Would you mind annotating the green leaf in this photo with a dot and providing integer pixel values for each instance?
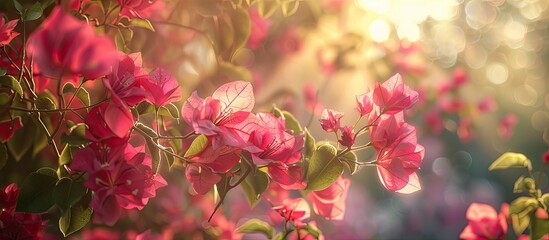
(67, 154)
(545, 199)
(156, 155)
(34, 12)
(3, 71)
(142, 23)
(82, 93)
(77, 136)
(256, 226)
(266, 8)
(197, 146)
(289, 7)
(242, 27)
(3, 155)
(10, 82)
(324, 168)
(169, 110)
(309, 144)
(149, 131)
(291, 122)
(313, 230)
(67, 193)
(36, 194)
(540, 228)
(519, 211)
(254, 185)
(75, 219)
(511, 160)
(4, 98)
(524, 184)
(348, 159)
(169, 157)
(45, 103)
(19, 7)
(19, 144)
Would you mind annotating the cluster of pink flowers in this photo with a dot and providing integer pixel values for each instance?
(399, 155)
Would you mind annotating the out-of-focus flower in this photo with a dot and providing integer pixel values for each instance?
(464, 130)
(259, 29)
(507, 125)
(8, 127)
(311, 100)
(289, 42)
(487, 104)
(330, 120)
(545, 157)
(6, 30)
(330, 202)
(63, 46)
(162, 87)
(485, 222)
(433, 121)
(138, 8)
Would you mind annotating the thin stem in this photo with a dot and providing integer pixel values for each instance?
(52, 110)
(160, 147)
(361, 147)
(188, 135)
(48, 135)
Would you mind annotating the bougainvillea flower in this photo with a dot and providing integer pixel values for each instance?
(487, 104)
(202, 179)
(330, 120)
(259, 29)
(125, 79)
(485, 222)
(137, 8)
(507, 125)
(393, 96)
(294, 210)
(433, 121)
(289, 41)
(365, 103)
(464, 130)
(6, 30)
(311, 99)
(120, 176)
(330, 202)
(109, 120)
(545, 157)
(222, 115)
(162, 87)
(398, 154)
(8, 127)
(17, 225)
(63, 46)
(347, 138)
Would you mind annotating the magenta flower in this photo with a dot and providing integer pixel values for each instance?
(365, 103)
(347, 138)
(202, 179)
(393, 96)
(330, 202)
(63, 45)
(259, 29)
(485, 222)
(109, 120)
(398, 154)
(125, 80)
(465, 129)
(121, 177)
(433, 121)
(278, 149)
(294, 210)
(137, 8)
(507, 125)
(18, 225)
(330, 120)
(162, 86)
(224, 115)
(6, 30)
